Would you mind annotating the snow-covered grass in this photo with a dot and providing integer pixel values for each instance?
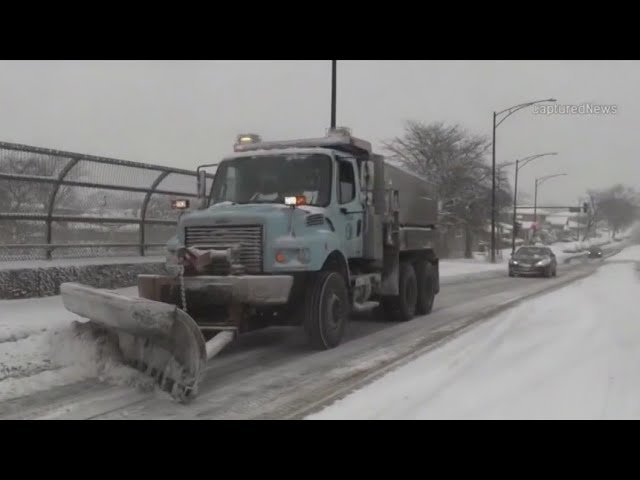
(570, 354)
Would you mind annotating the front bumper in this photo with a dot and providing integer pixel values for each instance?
(256, 290)
(528, 270)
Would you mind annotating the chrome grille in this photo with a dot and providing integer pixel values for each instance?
(248, 237)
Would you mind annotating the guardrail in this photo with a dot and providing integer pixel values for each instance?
(57, 204)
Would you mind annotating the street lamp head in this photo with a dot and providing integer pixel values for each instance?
(540, 180)
(552, 100)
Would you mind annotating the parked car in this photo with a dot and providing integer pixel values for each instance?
(531, 260)
(595, 252)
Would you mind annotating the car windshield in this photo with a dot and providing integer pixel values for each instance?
(271, 178)
(532, 252)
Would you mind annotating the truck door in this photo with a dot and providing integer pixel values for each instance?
(349, 216)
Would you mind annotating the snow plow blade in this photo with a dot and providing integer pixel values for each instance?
(156, 338)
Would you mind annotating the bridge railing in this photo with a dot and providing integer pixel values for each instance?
(56, 204)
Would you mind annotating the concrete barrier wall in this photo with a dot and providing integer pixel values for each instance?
(43, 282)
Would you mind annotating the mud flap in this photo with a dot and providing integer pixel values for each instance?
(157, 338)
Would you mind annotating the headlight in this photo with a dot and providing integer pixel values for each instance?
(514, 262)
(285, 255)
(544, 262)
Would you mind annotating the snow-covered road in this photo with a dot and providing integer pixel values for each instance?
(571, 354)
(48, 372)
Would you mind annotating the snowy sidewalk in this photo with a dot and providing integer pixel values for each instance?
(571, 354)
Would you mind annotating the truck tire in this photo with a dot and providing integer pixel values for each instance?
(402, 307)
(426, 290)
(326, 310)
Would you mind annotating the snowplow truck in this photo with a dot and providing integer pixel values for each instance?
(303, 232)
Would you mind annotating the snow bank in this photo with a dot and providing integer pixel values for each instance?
(460, 267)
(631, 253)
(60, 357)
(40, 349)
(571, 354)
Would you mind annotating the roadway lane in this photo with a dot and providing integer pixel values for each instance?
(272, 374)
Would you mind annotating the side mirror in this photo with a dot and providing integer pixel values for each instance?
(202, 184)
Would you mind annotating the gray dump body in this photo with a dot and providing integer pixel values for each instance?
(418, 196)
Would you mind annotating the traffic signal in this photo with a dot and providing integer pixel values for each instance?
(585, 207)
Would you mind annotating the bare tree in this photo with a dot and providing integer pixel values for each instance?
(619, 206)
(31, 196)
(454, 160)
(594, 216)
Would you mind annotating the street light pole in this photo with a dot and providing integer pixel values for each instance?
(535, 206)
(515, 201)
(333, 93)
(509, 111)
(540, 181)
(578, 217)
(519, 164)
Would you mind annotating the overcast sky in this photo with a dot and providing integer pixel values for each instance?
(184, 113)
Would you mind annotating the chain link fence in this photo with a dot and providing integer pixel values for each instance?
(56, 204)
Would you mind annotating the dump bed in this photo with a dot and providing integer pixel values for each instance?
(418, 196)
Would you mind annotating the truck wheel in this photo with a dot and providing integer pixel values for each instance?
(426, 292)
(326, 310)
(402, 307)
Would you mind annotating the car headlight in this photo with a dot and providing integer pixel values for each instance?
(543, 263)
(514, 262)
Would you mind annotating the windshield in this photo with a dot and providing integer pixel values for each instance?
(532, 252)
(271, 178)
